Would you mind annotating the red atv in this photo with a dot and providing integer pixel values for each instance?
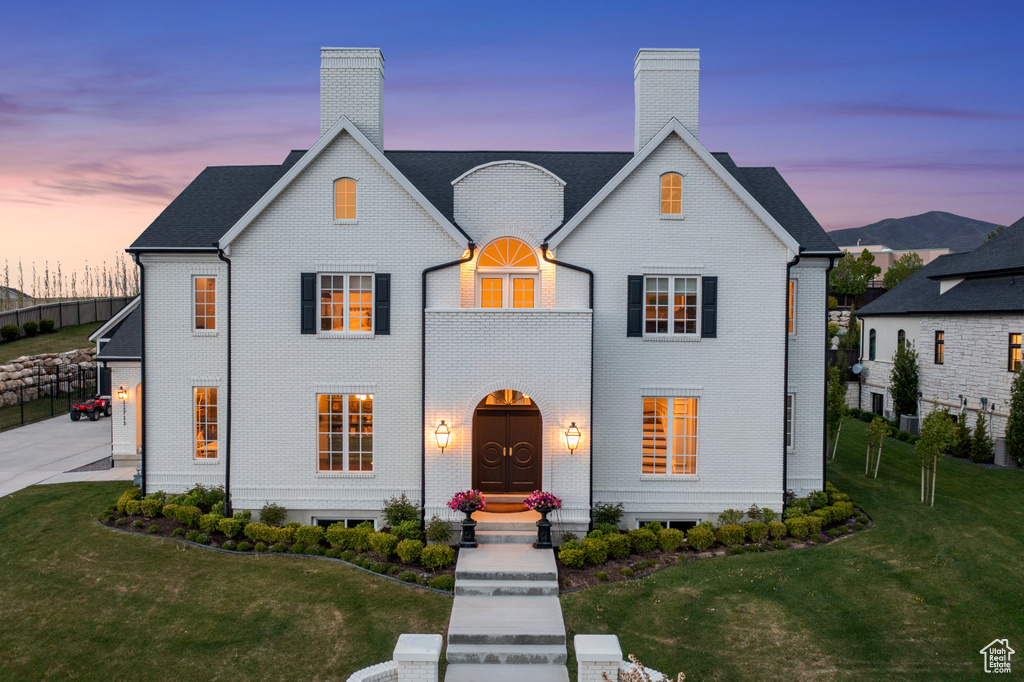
(94, 407)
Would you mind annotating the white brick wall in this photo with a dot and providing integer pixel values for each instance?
(665, 86)
(352, 84)
(123, 421)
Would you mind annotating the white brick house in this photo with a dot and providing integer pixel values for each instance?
(308, 327)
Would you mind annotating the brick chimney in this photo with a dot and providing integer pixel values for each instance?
(665, 86)
(352, 84)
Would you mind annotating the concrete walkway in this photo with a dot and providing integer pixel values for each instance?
(42, 452)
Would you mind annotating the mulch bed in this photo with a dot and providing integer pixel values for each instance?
(98, 465)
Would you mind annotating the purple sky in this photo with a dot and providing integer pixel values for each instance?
(870, 110)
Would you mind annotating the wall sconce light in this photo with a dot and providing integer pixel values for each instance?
(572, 437)
(442, 434)
(360, 397)
(122, 393)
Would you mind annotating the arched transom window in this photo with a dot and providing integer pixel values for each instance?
(507, 275)
(345, 199)
(671, 194)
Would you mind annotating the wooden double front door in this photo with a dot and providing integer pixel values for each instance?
(507, 449)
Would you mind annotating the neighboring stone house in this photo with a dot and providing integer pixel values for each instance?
(608, 326)
(964, 313)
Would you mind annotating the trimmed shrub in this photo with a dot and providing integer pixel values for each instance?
(618, 545)
(731, 534)
(778, 544)
(814, 522)
(399, 509)
(261, 532)
(730, 517)
(597, 533)
(756, 531)
(46, 326)
(231, 527)
(841, 511)
(797, 527)
(644, 565)
(642, 540)
(10, 332)
(443, 582)
(315, 550)
(333, 552)
(671, 539)
(601, 575)
(832, 303)
(604, 513)
(832, 533)
(152, 507)
(628, 572)
(297, 548)
(339, 536)
(842, 530)
(383, 544)
(309, 535)
(154, 529)
(133, 507)
(243, 546)
(137, 523)
(178, 532)
(738, 549)
(777, 530)
(595, 550)
(379, 568)
(407, 530)
(573, 558)
(126, 497)
(286, 533)
(408, 576)
(607, 529)
(229, 545)
(700, 536)
(261, 547)
(437, 557)
(192, 536)
(210, 523)
(362, 537)
(277, 548)
(654, 526)
(858, 526)
(409, 550)
(273, 514)
(31, 328)
(121, 521)
(438, 531)
(187, 515)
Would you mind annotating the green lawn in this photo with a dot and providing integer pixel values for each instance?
(79, 601)
(915, 597)
(68, 338)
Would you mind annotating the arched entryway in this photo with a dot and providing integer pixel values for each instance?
(507, 444)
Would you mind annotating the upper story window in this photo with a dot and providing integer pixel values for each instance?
(205, 297)
(507, 275)
(791, 308)
(940, 347)
(671, 194)
(871, 345)
(345, 199)
(670, 305)
(346, 303)
(669, 436)
(1013, 360)
(901, 338)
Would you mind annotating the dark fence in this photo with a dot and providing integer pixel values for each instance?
(852, 358)
(67, 313)
(49, 395)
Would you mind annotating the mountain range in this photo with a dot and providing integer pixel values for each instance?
(932, 230)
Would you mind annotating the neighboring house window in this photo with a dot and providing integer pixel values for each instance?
(345, 432)
(789, 420)
(940, 347)
(345, 199)
(205, 296)
(670, 305)
(1013, 361)
(877, 403)
(670, 436)
(205, 409)
(507, 275)
(901, 338)
(791, 307)
(671, 194)
(871, 345)
(346, 303)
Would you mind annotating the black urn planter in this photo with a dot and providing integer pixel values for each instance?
(543, 529)
(468, 540)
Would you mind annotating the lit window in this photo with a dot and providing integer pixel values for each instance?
(205, 296)
(671, 193)
(791, 307)
(670, 436)
(1013, 363)
(345, 199)
(789, 420)
(345, 432)
(507, 275)
(940, 347)
(205, 402)
(346, 303)
(670, 305)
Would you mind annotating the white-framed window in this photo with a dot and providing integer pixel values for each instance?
(789, 420)
(671, 194)
(204, 299)
(508, 275)
(346, 302)
(671, 305)
(669, 436)
(344, 432)
(791, 307)
(204, 399)
(345, 199)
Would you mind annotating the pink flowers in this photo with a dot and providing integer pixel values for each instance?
(541, 500)
(468, 501)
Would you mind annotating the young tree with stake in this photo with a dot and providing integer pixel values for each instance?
(876, 435)
(937, 434)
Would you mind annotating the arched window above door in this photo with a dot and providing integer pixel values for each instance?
(507, 275)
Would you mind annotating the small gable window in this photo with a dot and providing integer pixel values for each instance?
(507, 274)
(345, 199)
(671, 194)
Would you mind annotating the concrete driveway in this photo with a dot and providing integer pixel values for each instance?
(42, 452)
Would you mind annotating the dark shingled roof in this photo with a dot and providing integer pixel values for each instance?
(919, 294)
(1002, 253)
(220, 195)
(126, 342)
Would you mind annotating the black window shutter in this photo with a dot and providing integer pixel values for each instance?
(309, 303)
(709, 309)
(635, 306)
(382, 304)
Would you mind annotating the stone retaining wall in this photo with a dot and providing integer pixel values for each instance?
(26, 378)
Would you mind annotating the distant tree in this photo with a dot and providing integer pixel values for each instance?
(961, 446)
(936, 437)
(851, 339)
(1015, 424)
(851, 275)
(981, 443)
(904, 379)
(905, 266)
(835, 401)
(995, 232)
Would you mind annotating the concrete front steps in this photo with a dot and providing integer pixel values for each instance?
(506, 619)
(519, 528)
